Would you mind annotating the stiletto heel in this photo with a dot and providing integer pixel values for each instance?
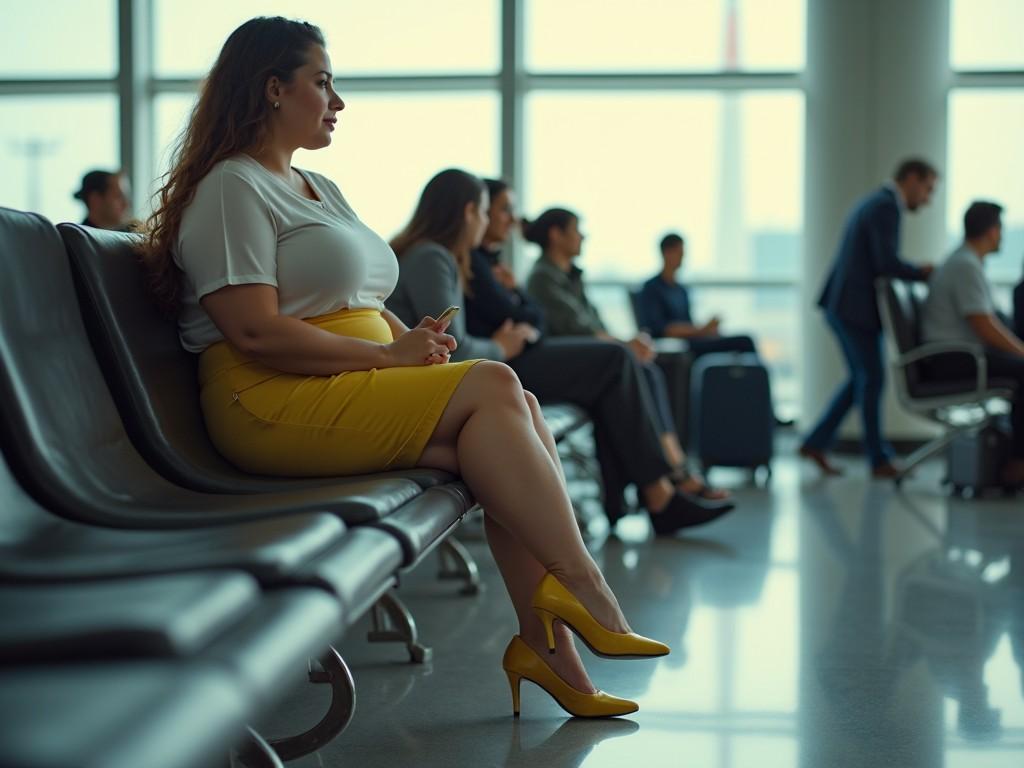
(522, 662)
(548, 620)
(513, 683)
(553, 601)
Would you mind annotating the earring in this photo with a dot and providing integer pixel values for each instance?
(277, 105)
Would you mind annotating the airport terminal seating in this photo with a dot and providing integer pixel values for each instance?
(957, 406)
(112, 497)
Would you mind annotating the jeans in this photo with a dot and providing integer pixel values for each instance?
(862, 350)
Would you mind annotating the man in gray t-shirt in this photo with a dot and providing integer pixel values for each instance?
(957, 291)
(960, 308)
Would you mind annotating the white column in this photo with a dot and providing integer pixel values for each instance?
(877, 78)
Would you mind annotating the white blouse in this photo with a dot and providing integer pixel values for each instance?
(246, 225)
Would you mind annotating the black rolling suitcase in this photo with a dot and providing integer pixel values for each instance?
(732, 422)
(977, 458)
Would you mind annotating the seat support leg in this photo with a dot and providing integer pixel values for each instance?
(254, 752)
(393, 623)
(458, 563)
(334, 672)
(932, 447)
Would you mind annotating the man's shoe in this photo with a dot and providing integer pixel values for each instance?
(886, 471)
(818, 457)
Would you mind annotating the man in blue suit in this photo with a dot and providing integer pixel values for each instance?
(869, 249)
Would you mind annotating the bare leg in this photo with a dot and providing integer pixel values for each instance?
(521, 573)
(543, 432)
(487, 434)
(673, 451)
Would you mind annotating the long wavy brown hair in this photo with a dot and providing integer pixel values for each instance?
(440, 217)
(230, 116)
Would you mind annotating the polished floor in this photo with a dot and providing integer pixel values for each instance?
(836, 624)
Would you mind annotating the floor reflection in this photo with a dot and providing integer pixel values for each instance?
(567, 745)
(839, 624)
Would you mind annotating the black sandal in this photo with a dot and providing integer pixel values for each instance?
(682, 474)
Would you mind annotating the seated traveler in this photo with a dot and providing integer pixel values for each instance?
(960, 308)
(280, 288)
(494, 297)
(438, 267)
(107, 199)
(664, 310)
(556, 283)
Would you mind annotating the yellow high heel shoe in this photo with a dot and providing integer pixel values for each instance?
(522, 662)
(553, 601)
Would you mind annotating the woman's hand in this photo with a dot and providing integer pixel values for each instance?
(504, 276)
(423, 345)
(643, 347)
(512, 337)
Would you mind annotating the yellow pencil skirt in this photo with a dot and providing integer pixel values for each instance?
(268, 422)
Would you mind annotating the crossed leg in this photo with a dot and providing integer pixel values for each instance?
(493, 435)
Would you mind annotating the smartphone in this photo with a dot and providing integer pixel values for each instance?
(447, 315)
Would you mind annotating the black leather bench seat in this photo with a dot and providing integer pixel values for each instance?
(118, 715)
(175, 615)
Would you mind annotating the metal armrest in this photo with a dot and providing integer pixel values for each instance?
(937, 348)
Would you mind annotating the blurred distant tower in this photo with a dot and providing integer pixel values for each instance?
(33, 150)
(729, 228)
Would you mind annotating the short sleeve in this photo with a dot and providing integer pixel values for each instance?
(228, 235)
(971, 295)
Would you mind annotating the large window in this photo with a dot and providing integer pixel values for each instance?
(986, 162)
(58, 102)
(59, 38)
(726, 170)
(987, 35)
(986, 113)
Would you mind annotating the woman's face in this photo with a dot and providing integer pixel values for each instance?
(570, 239)
(309, 103)
(477, 220)
(503, 217)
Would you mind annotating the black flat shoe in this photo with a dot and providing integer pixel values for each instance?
(683, 511)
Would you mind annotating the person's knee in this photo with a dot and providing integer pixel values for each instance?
(532, 402)
(499, 383)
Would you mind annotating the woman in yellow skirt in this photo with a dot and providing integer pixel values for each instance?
(280, 288)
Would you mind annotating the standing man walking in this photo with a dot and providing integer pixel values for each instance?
(868, 249)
